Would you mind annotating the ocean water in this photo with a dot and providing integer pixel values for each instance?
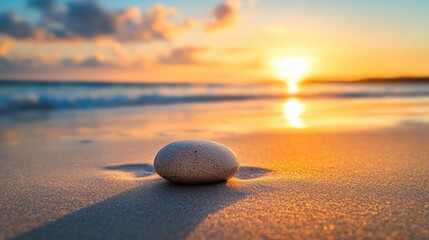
(32, 95)
(47, 113)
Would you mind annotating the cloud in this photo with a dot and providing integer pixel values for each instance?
(154, 25)
(95, 61)
(39, 62)
(183, 56)
(177, 56)
(8, 65)
(6, 45)
(113, 47)
(130, 15)
(12, 25)
(69, 20)
(90, 20)
(225, 15)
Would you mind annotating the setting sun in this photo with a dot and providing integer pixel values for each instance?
(292, 70)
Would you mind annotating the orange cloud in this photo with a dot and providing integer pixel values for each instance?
(6, 45)
(155, 24)
(225, 15)
(130, 15)
(70, 22)
(88, 20)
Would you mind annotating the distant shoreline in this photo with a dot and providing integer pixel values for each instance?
(397, 80)
(400, 80)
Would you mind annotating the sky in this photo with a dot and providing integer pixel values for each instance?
(212, 40)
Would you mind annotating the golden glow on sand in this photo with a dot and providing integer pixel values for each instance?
(292, 70)
(292, 112)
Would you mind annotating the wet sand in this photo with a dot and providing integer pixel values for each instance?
(293, 185)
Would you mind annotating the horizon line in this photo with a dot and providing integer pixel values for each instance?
(400, 79)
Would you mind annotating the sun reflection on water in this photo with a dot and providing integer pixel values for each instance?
(293, 110)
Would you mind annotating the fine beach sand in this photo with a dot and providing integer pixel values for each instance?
(309, 184)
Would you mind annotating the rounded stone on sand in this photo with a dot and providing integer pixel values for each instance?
(196, 162)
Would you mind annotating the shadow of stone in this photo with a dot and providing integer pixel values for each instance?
(157, 210)
(139, 170)
(246, 173)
